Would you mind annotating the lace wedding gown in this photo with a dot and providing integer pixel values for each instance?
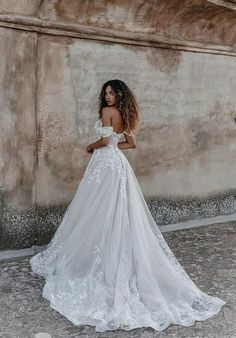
(108, 264)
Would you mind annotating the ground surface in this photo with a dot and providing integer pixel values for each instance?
(208, 254)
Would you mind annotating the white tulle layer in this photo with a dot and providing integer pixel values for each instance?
(108, 264)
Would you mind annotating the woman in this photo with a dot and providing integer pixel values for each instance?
(108, 264)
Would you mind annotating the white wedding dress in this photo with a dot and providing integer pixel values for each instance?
(108, 264)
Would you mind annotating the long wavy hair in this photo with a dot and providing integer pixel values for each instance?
(125, 103)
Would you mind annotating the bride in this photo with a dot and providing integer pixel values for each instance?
(108, 264)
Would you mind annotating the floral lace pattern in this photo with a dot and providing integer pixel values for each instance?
(108, 264)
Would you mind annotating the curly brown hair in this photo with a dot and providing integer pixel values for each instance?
(125, 103)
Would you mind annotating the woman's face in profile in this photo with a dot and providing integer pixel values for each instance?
(110, 96)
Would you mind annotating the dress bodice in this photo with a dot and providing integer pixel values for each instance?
(107, 131)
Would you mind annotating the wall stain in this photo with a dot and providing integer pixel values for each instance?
(190, 20)
(164, 60)
(174, 145)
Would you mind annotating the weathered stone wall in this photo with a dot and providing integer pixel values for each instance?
(186, 142)
(17, 116)
(51, 76)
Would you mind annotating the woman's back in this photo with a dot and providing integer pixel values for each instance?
(116, 120)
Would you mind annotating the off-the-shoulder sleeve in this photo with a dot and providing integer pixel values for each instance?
(102, 131)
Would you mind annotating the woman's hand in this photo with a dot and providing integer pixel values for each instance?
(90, 149)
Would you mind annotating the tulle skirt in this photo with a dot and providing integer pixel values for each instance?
(108, 264)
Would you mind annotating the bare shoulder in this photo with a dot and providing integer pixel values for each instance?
(108, 113)
(108, 110)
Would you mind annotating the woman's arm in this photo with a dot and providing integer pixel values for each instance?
(102, 142)
(130, 142)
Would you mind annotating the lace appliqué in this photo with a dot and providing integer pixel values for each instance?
(107, 156)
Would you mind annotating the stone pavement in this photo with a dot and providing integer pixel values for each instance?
(208, 254)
